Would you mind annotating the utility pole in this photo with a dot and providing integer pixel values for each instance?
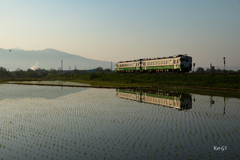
(210, 68)
(111, 65)
(224, 62)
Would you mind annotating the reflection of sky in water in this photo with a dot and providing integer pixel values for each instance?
(9, 91)
(95, 123)
(50, 82)
(216, 105)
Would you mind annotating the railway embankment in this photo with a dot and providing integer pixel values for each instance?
(191, 80)
(225, 82)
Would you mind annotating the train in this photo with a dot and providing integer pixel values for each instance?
(179, 101)
(177, 63)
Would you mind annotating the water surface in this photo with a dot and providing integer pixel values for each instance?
(41, 122)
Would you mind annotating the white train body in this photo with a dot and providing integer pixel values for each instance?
(179, 63)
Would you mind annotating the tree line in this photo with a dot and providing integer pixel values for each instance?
(41, 73)
(208, 70)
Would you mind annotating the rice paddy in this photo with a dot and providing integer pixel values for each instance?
(42, 122)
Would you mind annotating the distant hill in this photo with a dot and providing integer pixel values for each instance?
(47, 59)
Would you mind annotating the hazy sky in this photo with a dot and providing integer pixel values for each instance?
(115, 30)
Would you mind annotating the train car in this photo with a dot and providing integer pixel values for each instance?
(179, 63)
(127, 66)
(129, 94)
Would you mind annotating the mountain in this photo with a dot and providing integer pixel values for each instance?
(47, 59)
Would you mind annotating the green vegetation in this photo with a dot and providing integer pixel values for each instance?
(216, 81)
(213, 70)
(107, 78)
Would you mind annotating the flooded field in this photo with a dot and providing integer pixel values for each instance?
(42, 122)
(49, 83)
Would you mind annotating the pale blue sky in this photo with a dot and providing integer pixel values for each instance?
(115, 30)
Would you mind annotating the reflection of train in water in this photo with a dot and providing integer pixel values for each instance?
(180, 101)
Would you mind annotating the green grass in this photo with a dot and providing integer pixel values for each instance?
(219, 81)
(194, 83)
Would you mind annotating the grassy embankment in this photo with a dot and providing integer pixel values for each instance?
(217, 84)
(217, 81)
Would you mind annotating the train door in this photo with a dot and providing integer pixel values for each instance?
(137, 66)
(175, 64)
(144, 66)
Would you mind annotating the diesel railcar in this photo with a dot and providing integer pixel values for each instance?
(178, 63)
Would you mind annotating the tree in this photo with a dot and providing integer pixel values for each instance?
(207, 70)
(4, 73)
(98, 70)
(32, 74)
(53, 71)
(19, 73)
(108, 70)
(200, 70)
